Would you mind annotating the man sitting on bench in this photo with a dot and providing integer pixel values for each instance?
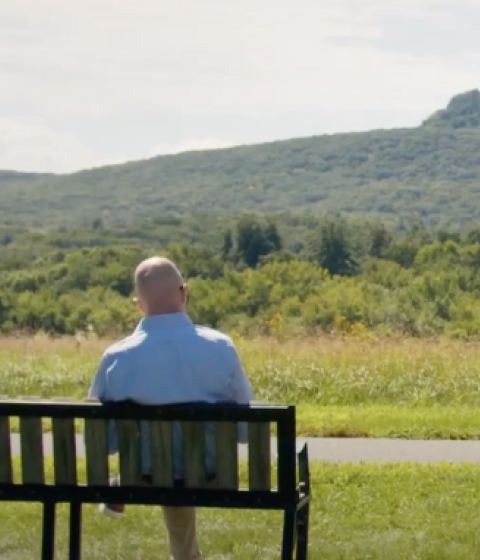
(170, 360)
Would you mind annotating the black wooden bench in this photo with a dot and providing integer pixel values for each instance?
(290, 493)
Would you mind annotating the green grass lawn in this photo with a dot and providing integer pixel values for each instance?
(414, 512)
(376, 388)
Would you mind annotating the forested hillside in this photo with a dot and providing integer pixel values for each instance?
(19, 246)
(17, 178)
(431, 171)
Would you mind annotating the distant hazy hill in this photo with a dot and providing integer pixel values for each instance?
(15, 177)
(432, 171)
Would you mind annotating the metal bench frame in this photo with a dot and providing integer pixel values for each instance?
(290, 497)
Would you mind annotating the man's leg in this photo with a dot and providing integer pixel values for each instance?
(182, 533)
(116, 511)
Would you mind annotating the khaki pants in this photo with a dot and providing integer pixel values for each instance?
(181, 523)
(182, 530)
(182, 533)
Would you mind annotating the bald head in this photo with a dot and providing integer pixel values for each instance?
(160, 287)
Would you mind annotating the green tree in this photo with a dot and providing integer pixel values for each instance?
(335, 251)
(444, 235)
(272, 235)
(253, 242)
(97, 224)
(5, 307)
(227, 244)
(379, 241)
(473, 236)
(403, 253)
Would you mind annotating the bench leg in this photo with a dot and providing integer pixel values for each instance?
(48, 537)
(303, 513)
(288, 535)
(75, 531)
(302, 532)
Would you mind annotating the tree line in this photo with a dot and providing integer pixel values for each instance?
(343, 276)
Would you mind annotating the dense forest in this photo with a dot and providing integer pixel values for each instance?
(255, 274)
(431, 171)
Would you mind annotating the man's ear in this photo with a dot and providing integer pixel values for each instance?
(185, 293)
(138, 303)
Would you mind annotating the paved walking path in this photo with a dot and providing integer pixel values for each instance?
(342, 450)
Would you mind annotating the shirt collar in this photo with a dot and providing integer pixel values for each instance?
(167, 321)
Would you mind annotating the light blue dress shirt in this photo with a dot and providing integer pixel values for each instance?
(166, 360)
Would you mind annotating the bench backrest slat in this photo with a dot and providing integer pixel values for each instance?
(5, 451)
(96, 451)
(194, 454)
(161, 453)
(129, 450)
(259, 456)
(226, 455)
(64, 452)
(31, 440)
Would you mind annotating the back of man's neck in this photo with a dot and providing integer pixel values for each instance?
(162, 313)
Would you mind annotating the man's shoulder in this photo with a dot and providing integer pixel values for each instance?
(124, 346)
(213, 335)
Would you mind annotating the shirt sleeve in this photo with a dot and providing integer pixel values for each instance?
(98, 390)
(240, 386)
(241, 392)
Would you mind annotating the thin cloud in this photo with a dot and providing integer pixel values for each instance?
(30, 146)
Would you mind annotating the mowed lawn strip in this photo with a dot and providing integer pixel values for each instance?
(434, 422)
(400, 512)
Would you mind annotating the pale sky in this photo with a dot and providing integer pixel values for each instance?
(90, 82)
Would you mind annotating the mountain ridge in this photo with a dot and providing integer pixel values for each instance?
(432, 170)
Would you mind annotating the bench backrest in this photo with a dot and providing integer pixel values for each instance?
(128, 418)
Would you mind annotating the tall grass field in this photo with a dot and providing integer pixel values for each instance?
(373, 387)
